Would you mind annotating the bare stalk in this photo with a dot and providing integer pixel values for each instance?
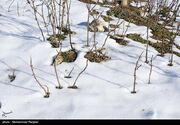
(63, 13)
(59, 17)
(53, 17)
(44, 20)
(44, 87)
(147, 45)
(135, 72)
(10, 5)
(124, 33)
(95, 30)
(88, 19)
(33, 6)
(150, 7)
(172, 43)
(74, 84)
(18, 13)
(57, 77)
(69, 75)
(88, 28)
(109, 32)
(150, 72)
(68, 22)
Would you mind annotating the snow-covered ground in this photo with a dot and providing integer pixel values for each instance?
(104, 89)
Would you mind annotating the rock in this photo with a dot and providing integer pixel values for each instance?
(58, 59)
(68, 56)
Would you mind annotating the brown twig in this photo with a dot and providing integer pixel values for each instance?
(57, 77)
(44, 87)
(68, 6)
(74, 84)
(69, 75)
(33, 6)
(88, 18)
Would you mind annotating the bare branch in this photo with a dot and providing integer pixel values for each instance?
(44, 87)
(74, 84)
(150, 72)
(135, 71)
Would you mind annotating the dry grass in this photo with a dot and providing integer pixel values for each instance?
(96, 56)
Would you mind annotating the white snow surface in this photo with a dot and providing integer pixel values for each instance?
(104, 89)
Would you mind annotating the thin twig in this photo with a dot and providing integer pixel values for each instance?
(44, 87)
(10, 5)
(74, 84)
(57, 77)
(69, 75)
(150, 72)
(135, 70)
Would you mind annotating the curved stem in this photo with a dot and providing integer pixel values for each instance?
(81, 73)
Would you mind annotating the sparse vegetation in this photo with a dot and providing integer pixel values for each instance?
(91, 58)
(158, 45)
(106, 18)
(136, 37)
(143, 16)
(132, 14)
(66, 31)
(119, 39)
(96, 56)
(53, 18)
(69, 56)
(54, 40)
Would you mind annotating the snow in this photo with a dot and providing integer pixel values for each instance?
(104, 89)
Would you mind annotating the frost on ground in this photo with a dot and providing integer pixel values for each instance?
(104, 89)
